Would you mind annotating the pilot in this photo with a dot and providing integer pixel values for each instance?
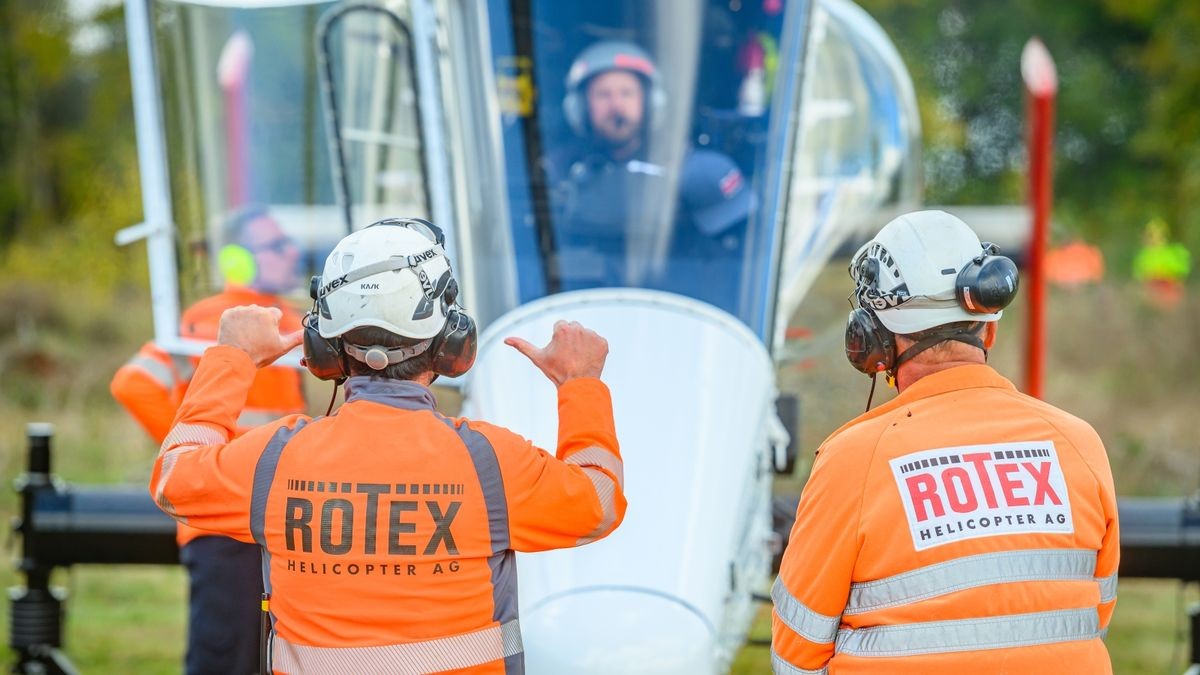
(605, 188)
(961, 526)
(259, 262)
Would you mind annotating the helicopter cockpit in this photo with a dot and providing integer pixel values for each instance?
(759, 135)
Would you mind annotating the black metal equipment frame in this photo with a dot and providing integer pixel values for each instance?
(62, 525)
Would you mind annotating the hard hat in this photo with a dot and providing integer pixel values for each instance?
(909, 273)
(603, 57)
(395, 278)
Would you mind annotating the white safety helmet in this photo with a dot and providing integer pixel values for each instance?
(392, 275)
(907, 273)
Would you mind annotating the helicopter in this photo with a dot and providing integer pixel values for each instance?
(335, 114)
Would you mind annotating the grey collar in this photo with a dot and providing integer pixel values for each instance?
(403, 394)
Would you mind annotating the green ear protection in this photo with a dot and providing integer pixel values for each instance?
(237, 265)
(236, 262)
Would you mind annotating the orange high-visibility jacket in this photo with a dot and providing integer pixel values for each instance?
(151, 385)
(961, 527)
(388, 529)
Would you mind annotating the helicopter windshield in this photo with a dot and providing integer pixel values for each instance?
(245, 137)
(625, 168)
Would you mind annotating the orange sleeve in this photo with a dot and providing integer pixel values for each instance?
(576, 496)
(814, 577)
(146, 386)
(1108, 558)
(201, 477)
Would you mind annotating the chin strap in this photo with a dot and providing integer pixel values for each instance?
(969, 337)
(966, 337)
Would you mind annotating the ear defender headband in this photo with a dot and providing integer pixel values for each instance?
(985, 285)
(454, 347)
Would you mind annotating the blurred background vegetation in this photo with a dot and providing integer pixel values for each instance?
(1128, 150)
(1128, 138)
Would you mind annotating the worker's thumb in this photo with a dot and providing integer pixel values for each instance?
(292, 340)
(525, 347)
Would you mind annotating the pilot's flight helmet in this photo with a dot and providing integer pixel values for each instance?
(605, 56)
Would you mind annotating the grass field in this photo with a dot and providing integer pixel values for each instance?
(1113, 360)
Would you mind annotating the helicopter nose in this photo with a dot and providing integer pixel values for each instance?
(627, 631)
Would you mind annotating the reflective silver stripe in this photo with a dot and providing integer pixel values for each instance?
(1108, 587)
(602, 458)
(257, 418)
(428, 656)
(779, 665)
(264, 477)
(810, 625)
(164, 476)
(963, 635)
(606, 491)
(158, 371)
(182, 439)
(970, 572)
(184, 366)
(193, 434)
(503, 560)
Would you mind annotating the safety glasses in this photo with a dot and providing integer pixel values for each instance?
(427, 229)
(279, 245)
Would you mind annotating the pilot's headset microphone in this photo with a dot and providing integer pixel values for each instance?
(902, 286)
(394, 275)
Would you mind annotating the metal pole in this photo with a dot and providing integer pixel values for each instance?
(152, 167)
(1041, 83)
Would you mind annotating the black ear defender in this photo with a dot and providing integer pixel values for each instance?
(988, 282)
(870, 347)
(323, 356)
(454, 348)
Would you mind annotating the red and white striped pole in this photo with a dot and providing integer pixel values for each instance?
(233, 69)
(1041, 83)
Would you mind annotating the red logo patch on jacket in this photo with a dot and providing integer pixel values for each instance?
(952, 494)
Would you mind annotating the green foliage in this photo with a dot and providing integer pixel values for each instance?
(68, 161)
(1128, 133)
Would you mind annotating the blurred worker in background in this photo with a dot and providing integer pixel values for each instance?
(962, 526)
(225, 575)
(1162, 265)
(388, 529)
(605, 186)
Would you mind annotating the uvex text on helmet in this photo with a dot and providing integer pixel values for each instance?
(407, 296)
(907, 273)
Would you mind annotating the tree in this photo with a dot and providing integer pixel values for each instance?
(1127, 137)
